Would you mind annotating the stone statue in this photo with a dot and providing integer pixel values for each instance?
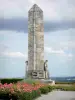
(26, 68)
(46, 69)
(45, 65)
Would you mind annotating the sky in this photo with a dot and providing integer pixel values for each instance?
(59, 36)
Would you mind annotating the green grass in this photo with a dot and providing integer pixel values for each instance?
(29, 81)
(63, 88)
(64, 82)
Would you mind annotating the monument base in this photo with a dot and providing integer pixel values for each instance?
(49, 81)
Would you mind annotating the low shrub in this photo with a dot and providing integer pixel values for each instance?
(19, 91)
(11, 80)
(44, 90)
(4, 96)
(36, 93)
(25, 96)
(50, 88)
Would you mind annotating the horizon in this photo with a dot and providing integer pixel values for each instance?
(49, 77)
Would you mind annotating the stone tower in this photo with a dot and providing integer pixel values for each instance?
(35, 43)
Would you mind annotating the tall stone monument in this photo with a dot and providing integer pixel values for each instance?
(35, 43)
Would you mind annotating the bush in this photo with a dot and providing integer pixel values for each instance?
(4, 96)
(25, 96)
(50, 88)
(44, 90)
(36, 93)
(21, 95)
(12, 80)
(19, 91)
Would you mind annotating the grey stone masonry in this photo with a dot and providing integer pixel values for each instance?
(35, 40)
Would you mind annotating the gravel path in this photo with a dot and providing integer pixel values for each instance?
(58, 95)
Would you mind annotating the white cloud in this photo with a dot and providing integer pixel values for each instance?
(13, 8)
(13, 41)
(68, 44)
(11, 32)
(53, 9)
(3, 47)
(57, 9)
(32, 1)
(64, 39)
(58, 52)
(70, 55)
(14, 54)
(51, 50)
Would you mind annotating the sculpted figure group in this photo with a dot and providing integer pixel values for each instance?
(46, 73)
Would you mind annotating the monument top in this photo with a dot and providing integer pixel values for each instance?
(35, 8)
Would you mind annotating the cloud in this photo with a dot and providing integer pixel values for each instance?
(3, 47)
(68, 45)
(59, 25)
(17, 24)
(62, 39)
(14, 54)
(13, 44)
(32, 1)
(58, 15)
(12, 9)
(55, 10)
(21, 24)
(58, 52)
(11, 33)
(51, 50)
